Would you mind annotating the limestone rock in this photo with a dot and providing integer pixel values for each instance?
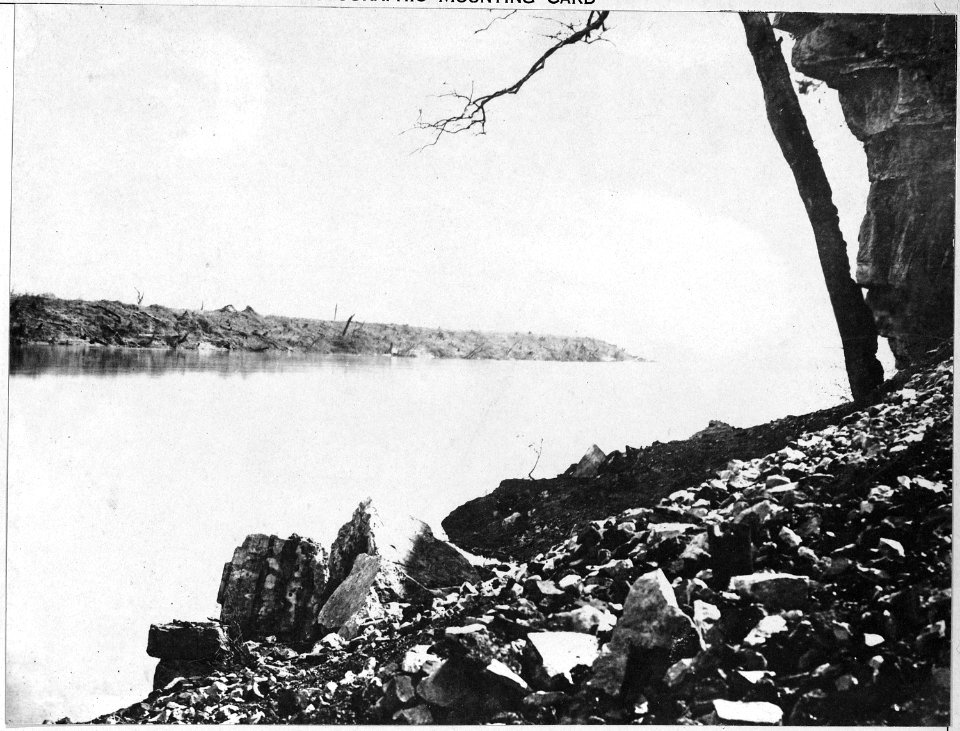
(411, 556)
(586, 619)
(179, 640)
(273, 587)
(556, 654)
(416, 716)
(897, 83)
(589, 464)
(773, 590)
(452, 685)
(739, 712)
(355, 601)
(652, 631)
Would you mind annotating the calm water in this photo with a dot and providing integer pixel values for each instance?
(134, 474)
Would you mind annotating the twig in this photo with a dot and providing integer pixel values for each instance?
(344, 333)
(539, 452)
(499, 17)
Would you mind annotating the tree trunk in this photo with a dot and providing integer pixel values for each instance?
(858, 332)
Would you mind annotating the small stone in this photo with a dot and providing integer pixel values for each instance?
(416, 658)
(558, 653)
(773, 590)
(705, 615)
(892, 548)
(765, 628)
(757, 712)
(872, 640)
(586, 619)
(454, 684)
(677, 672)
(467, 630)
(659, 532)
(401, 687)
(416, 716)
(504, 676)
(789, 538)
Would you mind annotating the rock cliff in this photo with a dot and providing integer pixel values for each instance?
(896, 76)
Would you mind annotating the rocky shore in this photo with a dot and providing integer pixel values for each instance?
(809, 584)
(49, 320)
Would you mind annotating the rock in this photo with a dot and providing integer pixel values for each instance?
(169, 670)
(773, 590)
(501, 674)
(586, 619)
(896, 79)
(556, 654)
(589, 464)
(401, 687)
(659, 532)
(452, 685)
(789, 538)
(355, 601)
(714, 428)
(273, 587)
(892, 548)
(765, 628)
(179, 640)
(412, 558)
(419, 658)
(731, 551)
(739, 712)
(652, 632)
(416, 716)
(705, 616)
(758, 514)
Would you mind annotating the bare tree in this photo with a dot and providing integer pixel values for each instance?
(857, 330)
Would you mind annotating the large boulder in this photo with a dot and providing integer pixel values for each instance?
(274, 587)
(354, 603)
(179, 640)
(652, 633)
(411, 557)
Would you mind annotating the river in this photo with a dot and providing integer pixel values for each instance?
(132, 475)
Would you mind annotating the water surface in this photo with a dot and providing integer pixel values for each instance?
(134, 474)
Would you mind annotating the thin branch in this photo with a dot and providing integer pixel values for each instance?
(499, 17)
(473, 116)
(539, 452)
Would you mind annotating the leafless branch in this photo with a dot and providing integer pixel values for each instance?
(499, 17)
(473, 116)
(539, 451)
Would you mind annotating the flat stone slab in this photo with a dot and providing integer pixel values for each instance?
(186, 640)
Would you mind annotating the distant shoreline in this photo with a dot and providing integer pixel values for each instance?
(47, 320)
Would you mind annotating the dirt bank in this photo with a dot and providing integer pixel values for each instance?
(43, 319)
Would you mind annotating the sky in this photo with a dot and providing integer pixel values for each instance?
(631, 191)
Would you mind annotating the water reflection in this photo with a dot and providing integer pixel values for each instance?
(37, 360)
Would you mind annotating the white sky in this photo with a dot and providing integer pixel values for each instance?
(632, 191)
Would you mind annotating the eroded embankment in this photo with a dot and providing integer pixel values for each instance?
(42, 319)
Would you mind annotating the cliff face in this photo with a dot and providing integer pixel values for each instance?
(897, 81)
